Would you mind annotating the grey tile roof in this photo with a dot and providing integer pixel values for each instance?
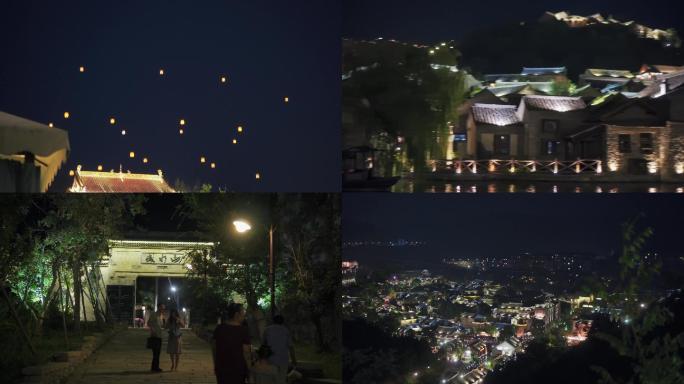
(543, 71)
(555, 103)
(495, 114)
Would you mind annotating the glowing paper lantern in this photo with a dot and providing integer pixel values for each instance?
(240, 129)
(51, 125)
(257, 176)
(161, 72)
(112, 121)
(181, 131)
(131, 155)
(81, 69)
(203, 160)
(213, 165)
(123, 132)
(145, 160)
(287, 99)
(234, 141)
(66, 115)
(223, 79)
(182, 122)
(71, 172)
(99, 168)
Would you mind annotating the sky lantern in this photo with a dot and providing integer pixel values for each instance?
(287, 99)
(161, 72)
(213, 165)
(257, 176)
(81, 69)
(123, 132)
(203, 160)
(182, 122)
(181, 131)
(112, 121)
(131, 155)
(234, 141)
(66, 115)
(71, 172)
(145, 160)
(240, 129)
(99, 167)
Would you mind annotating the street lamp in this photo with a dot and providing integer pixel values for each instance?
(243, 226)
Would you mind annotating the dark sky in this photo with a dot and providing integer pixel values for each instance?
(495, 225)
(437, 20)
(267, 49)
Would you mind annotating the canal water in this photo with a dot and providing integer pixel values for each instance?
(408, 186)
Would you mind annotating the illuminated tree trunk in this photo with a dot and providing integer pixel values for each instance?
(76, 270)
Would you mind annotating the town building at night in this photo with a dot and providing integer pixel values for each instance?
(119, 182)
(31, 154)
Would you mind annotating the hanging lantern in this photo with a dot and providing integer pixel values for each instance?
(181, 131)
(182, 122)
(123, 132)
(161, 72)
(287, 99)
(258, 176)
(81, 69)
(240, 129)
(223, 79)
(71, 172)
(51, 125)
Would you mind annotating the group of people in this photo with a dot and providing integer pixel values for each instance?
(233, 363)
(232, 349)
(173, 323)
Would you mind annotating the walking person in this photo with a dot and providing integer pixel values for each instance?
(263, 372)
(155, 340)
(173, 348)
(277, 336)
(231, 347)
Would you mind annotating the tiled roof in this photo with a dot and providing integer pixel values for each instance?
(119, 182)
(495, 114)
(555, 103)
(598, 72)
(543, 71)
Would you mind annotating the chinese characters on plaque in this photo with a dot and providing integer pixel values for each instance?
(162, 258)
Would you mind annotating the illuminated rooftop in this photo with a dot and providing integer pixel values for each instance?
(119, 182)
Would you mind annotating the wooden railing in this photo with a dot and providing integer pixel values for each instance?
(472, 167)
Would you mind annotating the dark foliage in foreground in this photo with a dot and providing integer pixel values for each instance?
(598, 361)
(371, 355)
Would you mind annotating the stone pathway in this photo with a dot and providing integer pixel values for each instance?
(124, 359)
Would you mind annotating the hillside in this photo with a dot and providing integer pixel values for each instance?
(507, 48)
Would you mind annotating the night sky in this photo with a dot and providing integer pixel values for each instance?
(505, 225)
(437, 20)
(268, 50)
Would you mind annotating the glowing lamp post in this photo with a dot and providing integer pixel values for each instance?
(242, 226)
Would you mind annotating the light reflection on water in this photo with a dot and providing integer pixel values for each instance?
(409, 186)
